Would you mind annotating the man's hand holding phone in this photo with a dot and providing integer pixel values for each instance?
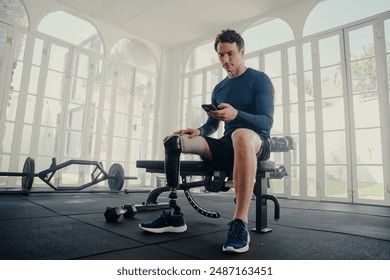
(224, 111)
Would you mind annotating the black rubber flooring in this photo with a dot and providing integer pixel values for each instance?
(64, 226)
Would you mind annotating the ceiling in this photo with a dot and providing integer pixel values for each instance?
(174, 22)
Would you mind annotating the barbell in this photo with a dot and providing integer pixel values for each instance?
(115, 176)
(27, 174)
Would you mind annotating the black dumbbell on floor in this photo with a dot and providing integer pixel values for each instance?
(112, 214)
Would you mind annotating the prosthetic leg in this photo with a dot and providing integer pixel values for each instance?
(173, 150)
(173, 220)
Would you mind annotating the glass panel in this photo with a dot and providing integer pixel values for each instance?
(14, 12)
(75, 117)
(336, 181)
(331, 82)
(47, 141)
(137, 128)
(96, 95)
(311, 181)
(38, 49)
(196, 112)
(332, 13)
(335, 147)
(273, 64)
(119, 149)
(370, 182)
(295, 152)
(293, 88)
(8, 134)
(307, 61)
(71, 29)
(3, 44)
(364, 75)
(30, 109)
(362, 104)
(125, 78)
(294, 119)
(51, 112)
(16, 76)
(361, 43)
(59, 57)
(311, 148)
(202, 56)
(277, 83)
(139, 106)
(105, 122)
(333, 113)
(292, 60)
(20, 46)
(212, 78)
(136, 150)
(120, 125)
(107, 98)
(81, 65)
(73, 144)
(329, 51)
(55, 83)
(368, 146)
(310, 117)
(12, 106)
(271, 32)
(278, 121)
(294, 175)
(308, 80)
(196, 83)
(134, 53)
(78, 91)
(34, 78)
(122, 101)
(253, 63)
(26, 139)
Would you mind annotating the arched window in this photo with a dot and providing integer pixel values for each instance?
(14, 12)
(333, 13)
(202, 56)
(134, 53)
(71, 29)
(267, 33)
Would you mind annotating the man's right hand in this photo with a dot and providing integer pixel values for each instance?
(193, 132)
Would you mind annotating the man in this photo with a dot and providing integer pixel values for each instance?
(244, 100)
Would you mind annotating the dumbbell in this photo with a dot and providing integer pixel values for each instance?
(112, 214)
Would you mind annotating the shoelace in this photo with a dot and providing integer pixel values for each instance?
(236, 230)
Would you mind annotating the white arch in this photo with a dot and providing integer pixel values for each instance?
(333, 13)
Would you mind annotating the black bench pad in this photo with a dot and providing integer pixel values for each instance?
(194, 167)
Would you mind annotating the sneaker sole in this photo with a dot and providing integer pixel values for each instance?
(165, 229)
(236, 250)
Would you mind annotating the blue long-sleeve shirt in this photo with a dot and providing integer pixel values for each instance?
(252, 94)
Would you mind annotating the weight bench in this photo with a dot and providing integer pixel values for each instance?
(214, 181)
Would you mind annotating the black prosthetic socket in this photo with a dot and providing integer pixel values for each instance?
(172, 169)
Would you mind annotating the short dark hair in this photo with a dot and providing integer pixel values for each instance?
(229, 36)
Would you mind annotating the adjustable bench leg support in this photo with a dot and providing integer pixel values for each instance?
(260, 190)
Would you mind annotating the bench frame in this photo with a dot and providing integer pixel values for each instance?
(198, 168)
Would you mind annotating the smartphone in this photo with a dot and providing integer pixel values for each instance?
(209, 107)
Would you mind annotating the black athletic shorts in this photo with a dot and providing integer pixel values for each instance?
(223, 153)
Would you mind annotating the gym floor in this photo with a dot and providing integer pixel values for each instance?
(64, 226)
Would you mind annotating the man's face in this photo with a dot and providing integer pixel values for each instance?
(230, 57)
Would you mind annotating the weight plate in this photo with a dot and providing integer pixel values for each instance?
(116, 177)
(28, 178)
